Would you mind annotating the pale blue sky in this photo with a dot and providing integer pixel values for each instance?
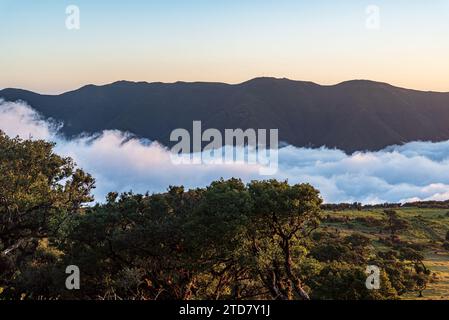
(325, 41)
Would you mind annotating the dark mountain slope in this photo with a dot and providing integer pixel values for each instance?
(353, 115)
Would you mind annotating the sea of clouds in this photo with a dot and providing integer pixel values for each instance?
(120, 162)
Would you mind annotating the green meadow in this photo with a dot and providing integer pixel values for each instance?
(428, 228)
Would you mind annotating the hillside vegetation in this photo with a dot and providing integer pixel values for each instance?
(428, 229)
(230, 240)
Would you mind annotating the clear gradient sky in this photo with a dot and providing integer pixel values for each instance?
(325, 41)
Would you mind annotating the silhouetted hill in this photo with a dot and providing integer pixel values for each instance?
(353, 115)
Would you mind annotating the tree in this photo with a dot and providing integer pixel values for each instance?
(283, 216)
(136, 247)
(342, 275)
(339, 280)
(421, 276)
(217, 233)
(394, 223)
(39, 192)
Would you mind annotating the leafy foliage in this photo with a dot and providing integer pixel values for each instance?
(39, 192)
(229, 240)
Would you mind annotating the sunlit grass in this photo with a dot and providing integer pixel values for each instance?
(428, 227)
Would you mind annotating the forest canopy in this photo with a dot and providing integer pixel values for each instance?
(229, 240)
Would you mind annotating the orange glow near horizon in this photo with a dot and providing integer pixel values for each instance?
(229, 41)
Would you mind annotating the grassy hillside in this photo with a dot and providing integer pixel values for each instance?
(427, 231)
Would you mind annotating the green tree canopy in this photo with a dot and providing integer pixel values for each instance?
(39, 191)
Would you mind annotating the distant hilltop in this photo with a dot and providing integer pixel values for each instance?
(353, 115)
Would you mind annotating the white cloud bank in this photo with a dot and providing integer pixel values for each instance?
(119, 162)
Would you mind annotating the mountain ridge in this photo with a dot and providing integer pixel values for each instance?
(353, 115)
(229, 84)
